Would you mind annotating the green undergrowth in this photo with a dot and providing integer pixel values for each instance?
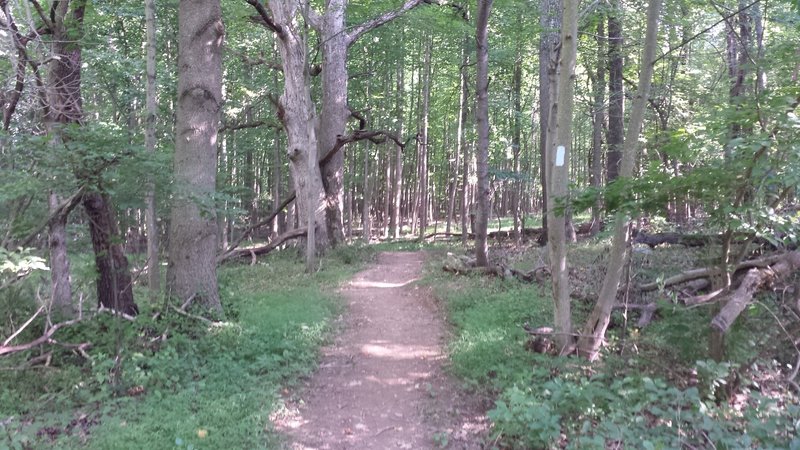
(653, 387)
(200, 387)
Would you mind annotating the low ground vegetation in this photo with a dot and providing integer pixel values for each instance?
(655, 386)
(175, 381)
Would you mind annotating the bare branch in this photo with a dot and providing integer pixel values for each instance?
(65, 208)
(43, 339)
(359, 30)
(265, 18)
(245, 125)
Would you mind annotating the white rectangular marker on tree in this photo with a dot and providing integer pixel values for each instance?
(560, 152)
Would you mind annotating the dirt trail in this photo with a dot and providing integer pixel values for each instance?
(381, 385)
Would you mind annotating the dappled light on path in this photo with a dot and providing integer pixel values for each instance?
(381, 384)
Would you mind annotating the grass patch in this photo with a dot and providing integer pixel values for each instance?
(200, 388)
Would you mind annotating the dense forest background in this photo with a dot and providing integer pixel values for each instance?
(584, 159)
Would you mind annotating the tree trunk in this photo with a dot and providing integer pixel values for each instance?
(300, 121)
(65, 107)
(395, 221)
(550, 21)
(516, 143)
(616, 95)
(462, 141)
(560, 142)
(334, 112)
(598, 122)
(422, 162)
(192, 268)
(114, 285)
(597, 323)
(482, 121)
(366, 218)
(61, 296)
(151, 109)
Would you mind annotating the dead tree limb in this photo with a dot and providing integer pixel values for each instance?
(694, 274)
(756, 277)
(263, 249)
(43, 339)
(232, 248)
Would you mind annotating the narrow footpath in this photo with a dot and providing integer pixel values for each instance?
(381, 384)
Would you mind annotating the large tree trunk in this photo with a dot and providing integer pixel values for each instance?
(334, 112)
(550, 21)
(65, 107)
(559, 137)
(114, 285)
(482, 121)
(300, 121)
(193, 230)
(597, 323)
(616, 95)
(151, 229)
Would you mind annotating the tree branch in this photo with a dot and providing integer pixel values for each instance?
(245, 125)
(359, 30)
(64, 208)
(266, 19)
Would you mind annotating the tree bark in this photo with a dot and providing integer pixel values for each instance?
(597, 323)
(151, 228)
(482, 121)
(616, 94)
(422, 162)
(396, 222)
(334, 112)
(463, 123)
(559, 144)
(516, 143)
(65, 106)
(598, 122)
(193, 231)
(61, 295)
(550, 22)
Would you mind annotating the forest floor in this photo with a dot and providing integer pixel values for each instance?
(382, 383)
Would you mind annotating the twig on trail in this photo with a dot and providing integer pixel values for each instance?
(383, 430)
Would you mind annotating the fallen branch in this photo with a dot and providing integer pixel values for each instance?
(756, 277)
(647, 312)
(231, 248)
(43, 339)
(263, 249)
(464, 265)
(694, 274)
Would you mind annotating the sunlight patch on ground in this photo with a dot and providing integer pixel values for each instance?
(400, 352)
(381, 284)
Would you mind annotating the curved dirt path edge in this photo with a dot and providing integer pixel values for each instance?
(382, 383)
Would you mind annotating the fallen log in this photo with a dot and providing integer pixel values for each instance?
(647, 312)
(464, 265)
(692, 240)
(694, 274)
(252, 252)
(755, 278)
